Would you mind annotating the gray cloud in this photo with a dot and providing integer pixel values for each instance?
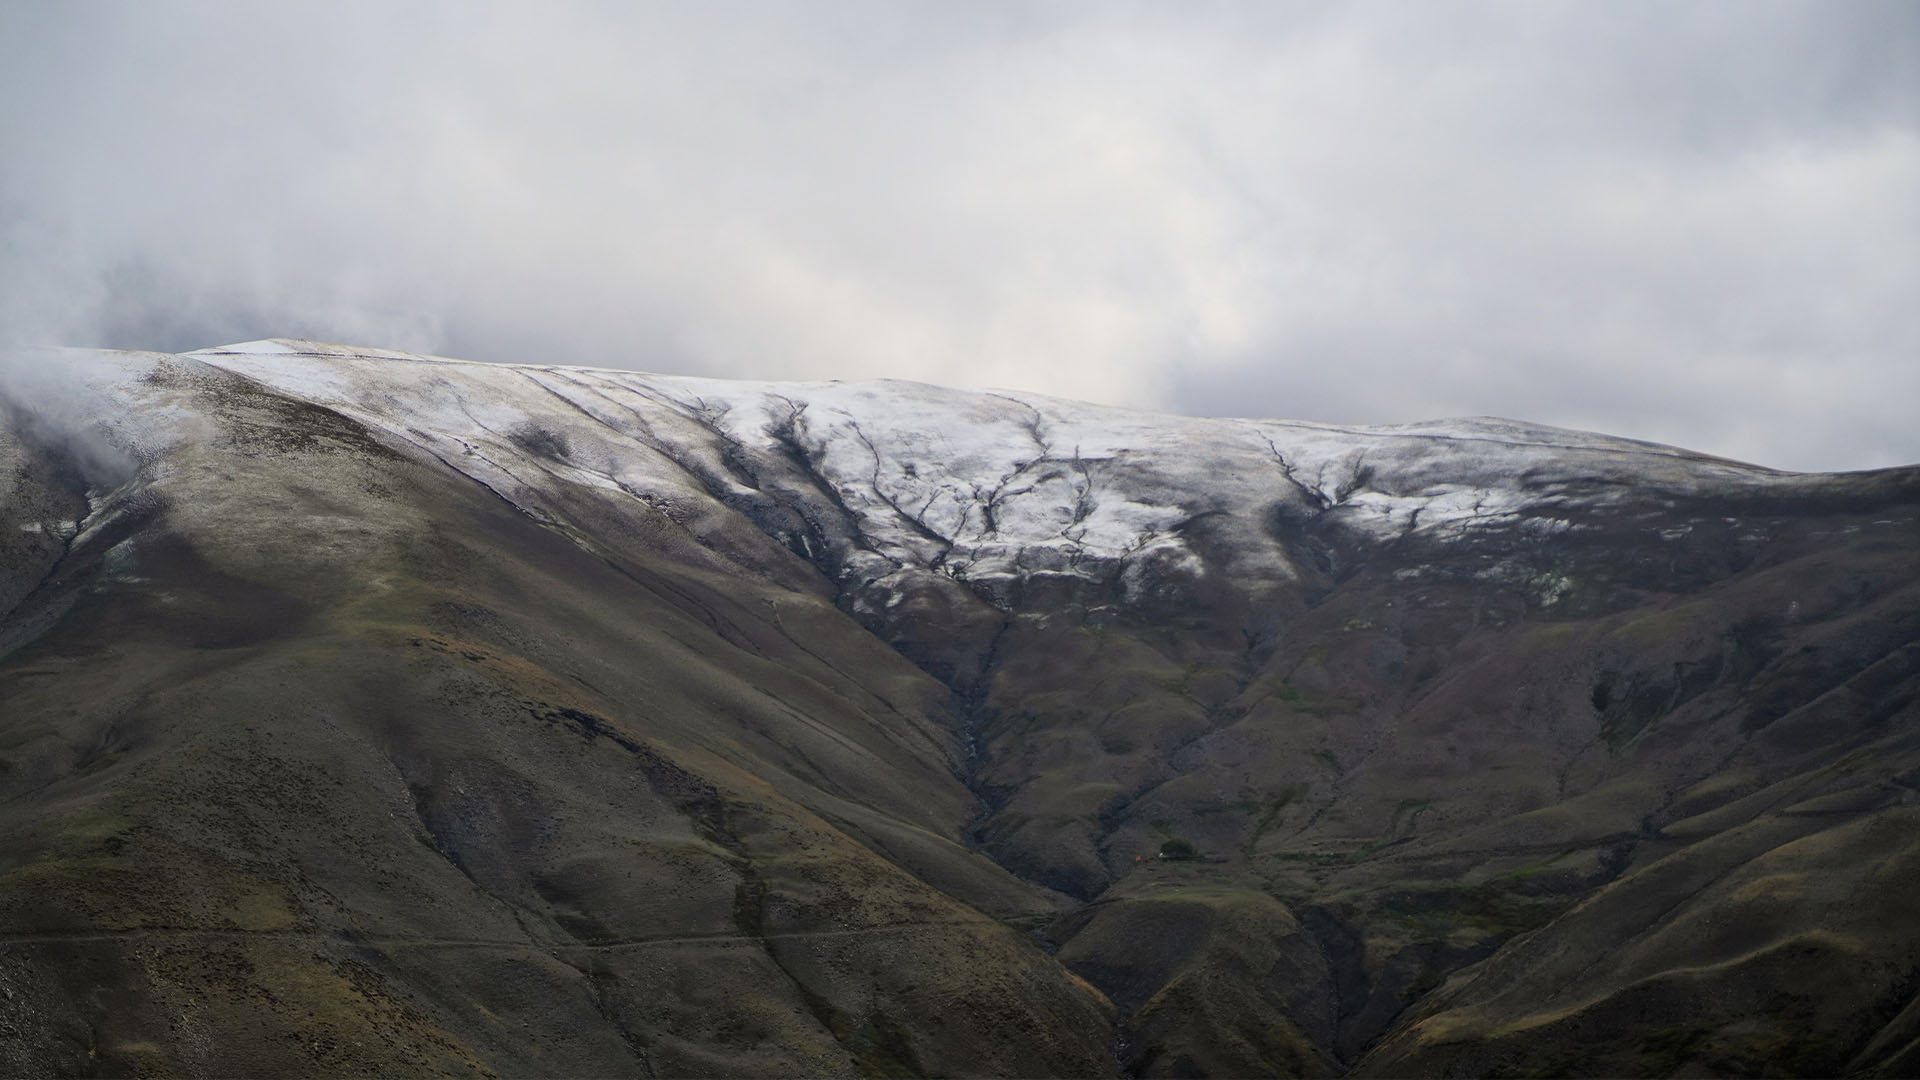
(1691, 223)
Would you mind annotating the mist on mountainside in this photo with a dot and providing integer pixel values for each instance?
(44, 398)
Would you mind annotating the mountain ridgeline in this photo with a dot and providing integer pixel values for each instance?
(371, 713)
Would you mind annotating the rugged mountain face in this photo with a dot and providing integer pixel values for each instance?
(367, 712)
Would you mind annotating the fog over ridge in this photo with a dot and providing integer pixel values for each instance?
(1694, 225)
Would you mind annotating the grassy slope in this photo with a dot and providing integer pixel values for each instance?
(1430, 764)
(342, 763)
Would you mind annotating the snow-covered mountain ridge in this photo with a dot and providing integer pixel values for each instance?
(890, 479)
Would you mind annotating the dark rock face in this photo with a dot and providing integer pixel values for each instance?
(408, 715)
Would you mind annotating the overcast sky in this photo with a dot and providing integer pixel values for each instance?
(1697, 223)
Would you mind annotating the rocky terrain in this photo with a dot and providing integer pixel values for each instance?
(371, 713)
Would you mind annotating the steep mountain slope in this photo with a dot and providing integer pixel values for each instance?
(360, 710)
